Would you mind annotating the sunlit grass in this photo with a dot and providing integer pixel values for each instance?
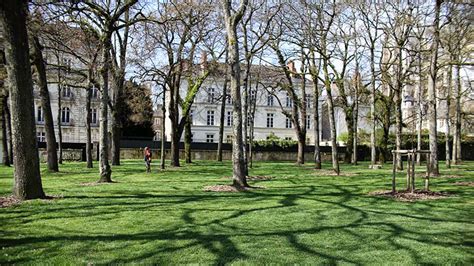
(303, 216)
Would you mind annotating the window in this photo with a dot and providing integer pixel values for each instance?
(269, 120)
(289, 124)
(229, 119)
(308, 122)
(66, 115)
(253, 95)
(249, 119)
(66, 92)
(269, 100)
(289, 101)
(95, 93)
(228, 98)
(39, 114)
(210, 138)
(191, 117)
(229, 138)
(308, 101)
(211, 95)
(94, 116)
(210, 118)
(288, 138)
(41, 136)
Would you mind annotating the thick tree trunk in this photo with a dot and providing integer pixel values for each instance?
(39, 65)
(187, 141)
(301, 147)
(222, 119)
(105, 170)
(457, 116)
(88, 128)
(27, 183)
(238, 162)
(432, 112)
(174, 148)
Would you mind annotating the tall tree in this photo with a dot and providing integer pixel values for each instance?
(231, 20)
(39, 65)
(432, 101)
(27, 184)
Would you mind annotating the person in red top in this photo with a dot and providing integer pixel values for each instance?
(147, 153)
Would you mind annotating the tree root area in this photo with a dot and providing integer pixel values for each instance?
(409, 196)
(229, 188)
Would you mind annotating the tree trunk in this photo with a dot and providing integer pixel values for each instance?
(457, 116)
(231, 22)
(88, 128)
(301, 147)
(420, 109)
(350, 135)
(39, 65)
(447, 121)
(105, 170)
(6, 155)
(373, 151)
(332, 124)
(174, 147)
(432, 115)
(27, 183)
(163, 133)
(8, 122)
(187, 140)
(60, 131)
(116, 133)
(222, 119)
(398, 110)
(317, 148)
(246, 118)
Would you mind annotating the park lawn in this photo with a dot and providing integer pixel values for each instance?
(302, 216)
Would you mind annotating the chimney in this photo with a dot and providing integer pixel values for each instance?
(291, 67)
(203, 60)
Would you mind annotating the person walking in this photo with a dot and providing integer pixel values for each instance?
(147, 153)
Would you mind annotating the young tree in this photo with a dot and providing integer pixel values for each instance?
(231, 20)
(27, 183)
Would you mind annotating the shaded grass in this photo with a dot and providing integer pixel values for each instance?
(302, 216)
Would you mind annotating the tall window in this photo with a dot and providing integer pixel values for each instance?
(308, 122)
(289, 101)
(94, 116)
(210, 117)
(209, 138)
(269, 100)
(39, 114)
(228, 98)
(41, 136)
(269, 120)
(289, 124)
(95, 93)
(66, 115)
(66, 91)
(308, 101)
(211, 93)
(253, 95)
(229, 119)
(249, 119)
(191, 117)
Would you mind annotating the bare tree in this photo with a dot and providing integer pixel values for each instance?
(231, 20)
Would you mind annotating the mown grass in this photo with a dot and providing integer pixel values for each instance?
(303, 216)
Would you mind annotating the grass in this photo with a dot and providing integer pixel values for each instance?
(303, 216)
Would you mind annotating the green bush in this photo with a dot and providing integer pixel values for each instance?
(274, 140)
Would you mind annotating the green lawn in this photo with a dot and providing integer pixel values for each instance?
(303, 216)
